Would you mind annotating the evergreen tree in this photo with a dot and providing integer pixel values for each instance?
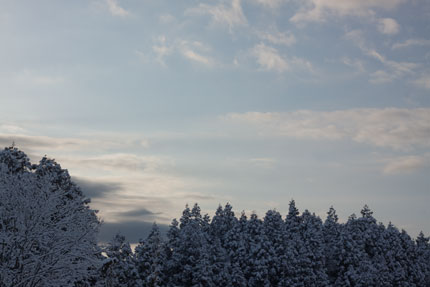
(292, 245)
(358, 246)
(119, 268)
(274, 229)
(189, 258)
(423, 257)
(150, 257)
(237, 246)
(311, 258)
(258, 257)
(332, 230)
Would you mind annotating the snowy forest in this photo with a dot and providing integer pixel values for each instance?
(48, 237)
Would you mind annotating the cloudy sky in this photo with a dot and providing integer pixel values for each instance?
(152, 104)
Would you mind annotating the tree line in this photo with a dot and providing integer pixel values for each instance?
(48, 237)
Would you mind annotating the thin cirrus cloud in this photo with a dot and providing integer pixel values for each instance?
(270, 59)
(190, 50)
(410, 43)
(230, 15)
(406, 164)
(390, 70)
(115, 9)
(19, 135)
(395, 128)
(270, 3)
(117, 162)
(278, 38)
(423, 81)
(321, 10)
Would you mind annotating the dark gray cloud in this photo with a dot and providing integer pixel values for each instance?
(132, 230)
(96, 189)
(138, 212)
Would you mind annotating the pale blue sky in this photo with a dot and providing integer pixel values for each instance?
(153, 104)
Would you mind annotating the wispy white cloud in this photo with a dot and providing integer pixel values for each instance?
(321, 10)
(395, 128)
(162, 49)
(191, 50)
(423, 81)
(411, 43)
(11, 129)
(115, 9)
(272, 4)
(394, 70)
(391, 70)
(388, 26)
(117, 162)
(269, 58)
(223, 14)
(42, 144)
(354, 63)
(190, 54)
(278, 38)
(406, 164)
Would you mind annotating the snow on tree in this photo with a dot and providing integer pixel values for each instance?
(189, 260)
(258, 257)
(423, 257)
(292, 243)
(332, 242)
(119, 268)
(236, 245)
(312, 253)
(150, 257)
(46, 238)
(358, 246)
(274, 229)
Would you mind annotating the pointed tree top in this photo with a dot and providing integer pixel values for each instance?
(219, 210)
(195, 212)
(366, 212)
(15, 160)
(292, 211)
(331, 215)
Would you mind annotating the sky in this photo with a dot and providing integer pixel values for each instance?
(153, 104)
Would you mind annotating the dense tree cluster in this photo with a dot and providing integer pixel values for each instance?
(48, 233)
(48, 237)
(300, 250)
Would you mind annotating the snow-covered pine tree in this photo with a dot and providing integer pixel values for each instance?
(223, 221)
(119, 267)
(331, 232)
(414, 274)
(358, 239)
(46, 238)
(237, 245)
(292, 244)
(172, 265)
(150, 258)
(423, 260)
(258, 257)
(189, 261)
(274, 229)
(311, 260)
